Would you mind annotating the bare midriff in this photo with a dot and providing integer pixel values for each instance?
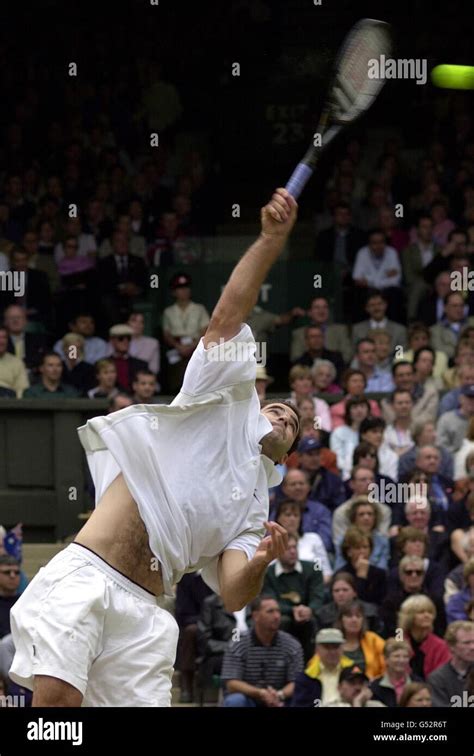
(116, 532)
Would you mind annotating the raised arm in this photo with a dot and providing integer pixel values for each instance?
(243, 287)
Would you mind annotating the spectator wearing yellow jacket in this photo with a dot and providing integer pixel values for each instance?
(361, 645)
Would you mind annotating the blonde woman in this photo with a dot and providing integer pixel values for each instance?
(428, 651)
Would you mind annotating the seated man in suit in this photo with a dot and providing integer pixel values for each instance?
(338, 246)
(36, 298)
(26, 346)
(445, 334)
(431, 307)
(336, 337)
(122, 279)
(415, 258)
(376, 308)
(315, 350)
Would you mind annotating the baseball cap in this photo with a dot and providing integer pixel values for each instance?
(122, 329)
(308, 445)
(330, 635)
(350, 674)
(468, 391)
(180, 279)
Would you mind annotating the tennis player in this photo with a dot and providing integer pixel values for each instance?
(178, 488)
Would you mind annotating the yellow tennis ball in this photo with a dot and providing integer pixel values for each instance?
(453, 77)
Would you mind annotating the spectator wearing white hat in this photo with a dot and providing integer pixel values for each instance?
(120, 336)
(262, 382)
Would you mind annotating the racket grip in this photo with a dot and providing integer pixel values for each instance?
(299, 179)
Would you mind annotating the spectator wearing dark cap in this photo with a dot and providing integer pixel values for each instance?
(184, 323)
(326, 487)
(318, 684)
(453, 425)
(127, 367)
(353, 690)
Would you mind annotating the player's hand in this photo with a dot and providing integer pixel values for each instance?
(273, 546)
(279, 216)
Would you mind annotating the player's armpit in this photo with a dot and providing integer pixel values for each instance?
(240, 581)
(218, 332)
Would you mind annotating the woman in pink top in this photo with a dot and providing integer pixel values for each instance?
(354, 383)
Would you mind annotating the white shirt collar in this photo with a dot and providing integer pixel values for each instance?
(279, 568)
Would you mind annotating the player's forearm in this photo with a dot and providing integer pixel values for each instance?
(242, 290)
(242, 587)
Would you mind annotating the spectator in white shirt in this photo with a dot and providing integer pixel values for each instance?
(143, 347)
(397, 435)
(378, 266)
(310, 545)
(346, 437)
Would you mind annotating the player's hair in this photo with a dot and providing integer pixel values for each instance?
(293, 407)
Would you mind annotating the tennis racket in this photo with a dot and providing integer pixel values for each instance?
(351, 93)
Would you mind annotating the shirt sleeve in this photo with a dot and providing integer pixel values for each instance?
(226, 364)
(246, 542)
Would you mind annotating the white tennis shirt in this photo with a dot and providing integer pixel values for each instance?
(194, 467)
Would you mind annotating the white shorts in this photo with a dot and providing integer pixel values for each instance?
(85, 623)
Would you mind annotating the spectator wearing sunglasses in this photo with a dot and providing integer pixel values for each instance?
(127, 367)
(9, 584)
(412, 573)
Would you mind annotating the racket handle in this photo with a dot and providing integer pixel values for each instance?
(299, 179)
